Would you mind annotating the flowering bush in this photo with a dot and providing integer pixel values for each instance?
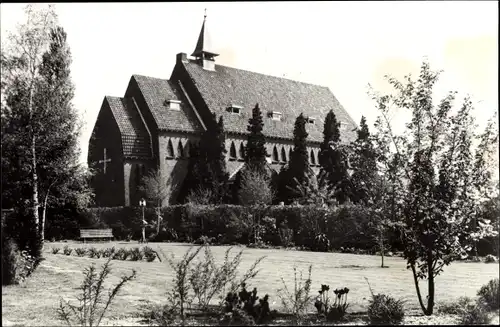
(385, 310)
(489, 294)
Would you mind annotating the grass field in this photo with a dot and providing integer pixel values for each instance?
(35, 301)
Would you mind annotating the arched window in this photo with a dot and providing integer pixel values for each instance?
(290, 153)
(283, 154)
(170, 149)
(313, 158)
(232, 152)
(242, 151)
(275, 155)
(180, 150)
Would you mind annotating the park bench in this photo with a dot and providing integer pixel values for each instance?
(96, 234)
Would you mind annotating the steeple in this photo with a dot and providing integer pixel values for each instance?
(203, 51)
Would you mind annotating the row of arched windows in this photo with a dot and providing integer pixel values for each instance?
(277, 156)
(182, 150)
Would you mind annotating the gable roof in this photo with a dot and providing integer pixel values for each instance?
(228, 86)
(135, 138)
(156, 92)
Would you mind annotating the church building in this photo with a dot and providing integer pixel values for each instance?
(157, 119)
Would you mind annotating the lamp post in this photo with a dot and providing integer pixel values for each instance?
(142, 203)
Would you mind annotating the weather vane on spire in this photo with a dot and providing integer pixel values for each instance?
(205, 17)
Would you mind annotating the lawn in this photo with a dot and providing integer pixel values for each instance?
(35, 301)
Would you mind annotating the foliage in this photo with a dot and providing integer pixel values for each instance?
(333, 159)
(489, 295)
(200, 196)
(440, 181)
(385, 310)
(80, 252)
(337, 311)
(55, 250)
(121, 254)
(178, 296)
(297, 302)
(135, 254)
(298, 167)
(255, 150)
(93, 303)
(490, 258)
(149, 254)
(209, 280)
(40, 127)
(67, 250)
(94, 253)
(363, 162)
(255, 188)
(254, 312)
(10, 261)
(108, 252)
(457, 307)
(474, 314)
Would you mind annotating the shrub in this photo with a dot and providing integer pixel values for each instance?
(338, 309)
(296, 303)
(108, 252)
(255, 312)
(474, 314)
(55, 250)
(67, 250)
(93, 304)
(94, 253)
(149, 254)
(80, 252)
(490, 258)
(208, 279)
(10, 261)
(161, 315)
(121, 254)
(457, 307)
(489, 295)
(385, 310)
(135, 254)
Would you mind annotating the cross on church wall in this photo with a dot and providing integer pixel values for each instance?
(104, 161)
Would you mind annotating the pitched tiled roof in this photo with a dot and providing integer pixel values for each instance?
(135, 137)
(230, 86)
(156, 92)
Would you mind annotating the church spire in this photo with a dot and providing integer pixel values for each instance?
(203, 50)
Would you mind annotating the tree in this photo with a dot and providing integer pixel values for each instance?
(39, 121)
(364, 165)
(155, 186)
(255, 188)
(333, 158)
(255, 151)
(440, 185)
(298, 170)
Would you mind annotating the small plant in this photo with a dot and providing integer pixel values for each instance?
(254, 312)
(338, 309)
(56, 250)
(490, 258)
(385, 310)
(297, 302)
(474, 314)
(323, 300)
(149, 254)
(67, 250)
(204, 240)
(489, 295)
(92, 302)
(121, 254)
(208, 279)
(457, 307)
(135, 254)
(94, 253)
(108, 252)
(80, 252)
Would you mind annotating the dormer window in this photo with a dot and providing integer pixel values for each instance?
(234, 109)
(275, 115)
(310, 120)
(173, 104)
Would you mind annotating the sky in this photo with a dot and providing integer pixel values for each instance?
(342, 45)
